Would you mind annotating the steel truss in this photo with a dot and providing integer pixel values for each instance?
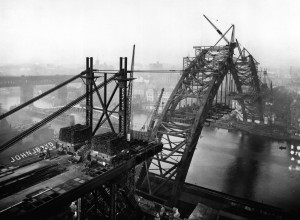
(207, 77)
(113, 200)
(116, 194)
(245, 73)
(198, 86)
(121, 83)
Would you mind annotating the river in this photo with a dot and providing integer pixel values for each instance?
(239, 164)
(247, 166)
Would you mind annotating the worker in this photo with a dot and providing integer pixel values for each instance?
(64, 150)
(176, 214)
(73, 208)
(157, 217)
(60, 149)
(42, 153)
(76, 157)
(162, 211)
(47, 154)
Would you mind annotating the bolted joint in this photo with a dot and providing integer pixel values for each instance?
(121, 113)
(122, 83)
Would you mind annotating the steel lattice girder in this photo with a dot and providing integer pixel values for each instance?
(248, 85)
(200, 81)
(238, 84)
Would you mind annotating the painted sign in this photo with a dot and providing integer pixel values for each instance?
(32, 151)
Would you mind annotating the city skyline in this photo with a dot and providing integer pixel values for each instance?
(65, 32)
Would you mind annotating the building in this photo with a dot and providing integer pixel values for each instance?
(295, 113)
(156, 66)
(139, 89)
(294, 72)
(151, 95)
(165, 97)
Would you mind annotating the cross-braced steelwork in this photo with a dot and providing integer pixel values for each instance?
(197, 87)
(205, 88)
(245, 73)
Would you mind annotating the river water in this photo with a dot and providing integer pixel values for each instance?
(239, 164)
(245, 165)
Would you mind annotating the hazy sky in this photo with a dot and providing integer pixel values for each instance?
(66, 31)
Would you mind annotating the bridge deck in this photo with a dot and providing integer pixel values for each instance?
(61, 189)
(71, 173)
(217, 203)
(16, 81)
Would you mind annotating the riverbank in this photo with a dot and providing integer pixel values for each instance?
(269, 131)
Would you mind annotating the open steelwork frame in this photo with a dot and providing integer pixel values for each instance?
(207, 81)
(102, 190)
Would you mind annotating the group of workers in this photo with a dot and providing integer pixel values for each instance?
(62, 149)
(158, 211)
(167, 214)
(44, 153)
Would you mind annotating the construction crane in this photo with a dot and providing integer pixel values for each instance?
(221, 34)
(241, 52)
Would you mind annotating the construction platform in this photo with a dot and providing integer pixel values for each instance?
(41, 189)
(196, 202)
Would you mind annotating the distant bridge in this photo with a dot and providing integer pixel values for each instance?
(27, 83)
(19, 81)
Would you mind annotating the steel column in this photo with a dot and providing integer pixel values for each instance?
(123, 97)
(113, 201)
(89, 93)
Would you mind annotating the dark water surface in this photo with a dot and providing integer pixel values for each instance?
(247, 166)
